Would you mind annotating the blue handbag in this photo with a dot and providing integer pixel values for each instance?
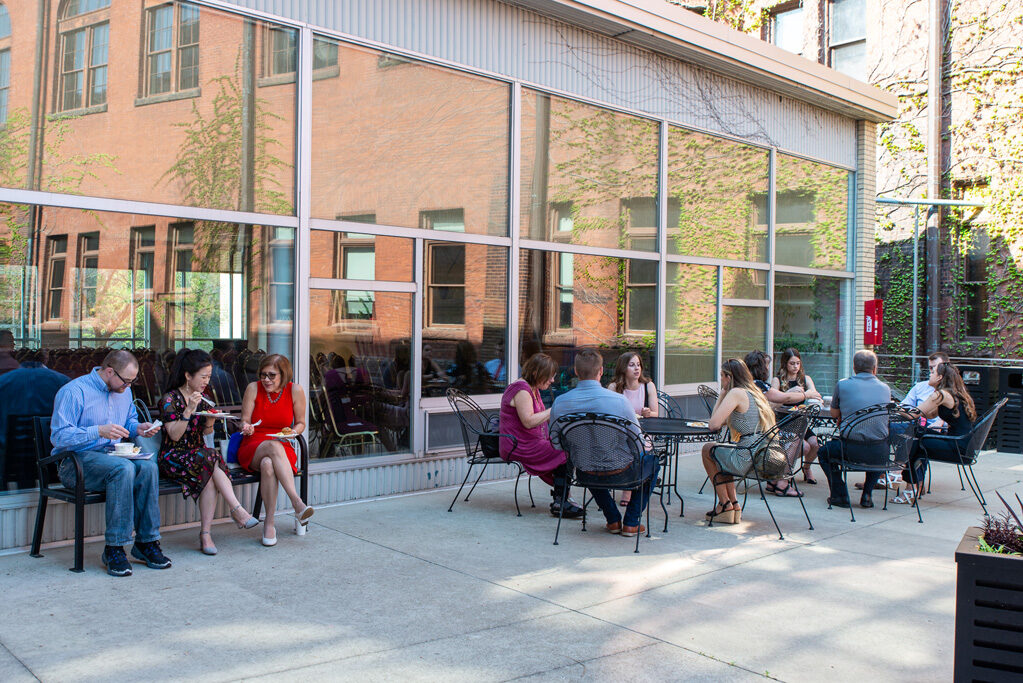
(148, 444)
(233, 445)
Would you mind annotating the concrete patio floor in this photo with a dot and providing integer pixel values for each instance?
(400, 588)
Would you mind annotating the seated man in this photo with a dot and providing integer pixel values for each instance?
(90, 414)
(921, 390)
(590, 397)
(851, 394)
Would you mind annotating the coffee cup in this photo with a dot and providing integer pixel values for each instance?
(124, 448)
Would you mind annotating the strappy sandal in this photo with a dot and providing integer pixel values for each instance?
(787, 492)
(728, 514)
(808, 475)
(770, 487)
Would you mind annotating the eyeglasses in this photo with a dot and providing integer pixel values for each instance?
(268, 375)
(125, 382)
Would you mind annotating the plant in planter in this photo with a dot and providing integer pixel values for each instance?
(1004, 534)
(989, 599)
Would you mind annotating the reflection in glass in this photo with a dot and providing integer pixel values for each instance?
(589, 175)
(691, 334)
(422, 146)
(359, 375)
(183, 122)
(75, 284)
(809, 315)
(570, 301)
(714, 186)
(465, 316)
(812, 227)
(743, 329)
(743, 283)
(358, 256)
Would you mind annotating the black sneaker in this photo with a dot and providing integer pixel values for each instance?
(572, 510)
(116, 562)
(151, 554)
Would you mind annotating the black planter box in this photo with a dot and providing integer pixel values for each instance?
(989, 614)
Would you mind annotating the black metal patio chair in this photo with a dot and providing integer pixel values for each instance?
(775, 455)
(709, 396)
(965, 456)
(668, 406)
(482, 445)
(879, 438)
(604, 452)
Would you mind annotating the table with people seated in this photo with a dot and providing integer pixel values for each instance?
(674, 431)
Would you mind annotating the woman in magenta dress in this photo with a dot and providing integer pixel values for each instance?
(524, 416)
(276, 404)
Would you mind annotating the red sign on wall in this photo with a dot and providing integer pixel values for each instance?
(873, 312)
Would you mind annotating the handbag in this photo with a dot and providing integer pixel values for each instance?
(770, 460)
(148, 444)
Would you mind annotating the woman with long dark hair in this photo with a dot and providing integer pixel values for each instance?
(184, 456)
(631, 381)
(792, 379)
(954, 405)
(742, 407)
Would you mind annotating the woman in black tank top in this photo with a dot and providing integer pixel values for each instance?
(953, 404)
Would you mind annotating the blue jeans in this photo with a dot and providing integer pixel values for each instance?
(640, 497)
(133, 493)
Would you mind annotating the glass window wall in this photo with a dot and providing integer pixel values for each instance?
(812, 202)
(412, 144)
(691, 328)
(172, 115)
(465, 314)
(76, 284)
(810, 314)
(589, 175)
(717, 192)
(570, 301)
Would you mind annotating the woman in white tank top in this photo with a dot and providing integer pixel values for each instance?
(631, 381)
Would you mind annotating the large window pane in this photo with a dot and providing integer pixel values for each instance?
(743, 329)
(570, 301)
(744, 283)
(810, 315)
(357, 256)
(715, 189)
(75, 284)
(413, 144)
(465, 318)
(359, 374)
(813, 214)
(691, 334)
(179, 121)
(589, 175)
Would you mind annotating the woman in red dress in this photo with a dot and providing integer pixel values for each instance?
(276, 404)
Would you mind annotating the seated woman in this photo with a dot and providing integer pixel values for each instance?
(277, 405)
(759, 364)
(741, 405)
(630, 381)
(792, 379)
(954, 405)
(184, 457)
(524, 416)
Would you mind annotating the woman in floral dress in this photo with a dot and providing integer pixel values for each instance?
(184, 457)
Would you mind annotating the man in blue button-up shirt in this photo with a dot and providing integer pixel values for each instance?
(90, 414)
(588, 396)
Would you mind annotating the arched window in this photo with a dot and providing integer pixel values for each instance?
(72, 8)
(5, 60)
(84, 28)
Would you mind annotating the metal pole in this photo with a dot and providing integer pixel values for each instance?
(934, 111)
(916, 290)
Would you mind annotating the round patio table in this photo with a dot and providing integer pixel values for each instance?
(674, 431)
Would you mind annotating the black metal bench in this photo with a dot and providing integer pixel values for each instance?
(51, 487)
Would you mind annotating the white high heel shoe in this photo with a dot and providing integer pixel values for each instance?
(269, 541)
